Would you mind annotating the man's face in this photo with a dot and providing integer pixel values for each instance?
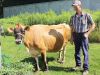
(77, 8)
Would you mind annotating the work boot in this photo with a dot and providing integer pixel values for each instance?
(85, 72)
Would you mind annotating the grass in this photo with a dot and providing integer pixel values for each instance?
(17, 61)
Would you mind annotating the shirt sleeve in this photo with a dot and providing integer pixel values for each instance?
(71, 21)
(89, 19)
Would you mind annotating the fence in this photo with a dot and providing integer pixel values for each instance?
(56, 6)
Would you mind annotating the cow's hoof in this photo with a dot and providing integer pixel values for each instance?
(58, 60)
(36, 70)
(61, 62)
(46, 70)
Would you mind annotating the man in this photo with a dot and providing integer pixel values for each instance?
(82, 25)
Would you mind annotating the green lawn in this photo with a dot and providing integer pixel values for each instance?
(17, 61)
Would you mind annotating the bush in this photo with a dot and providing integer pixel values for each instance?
(17, 69)
(49, 18)
(95, 36)
(96, 18)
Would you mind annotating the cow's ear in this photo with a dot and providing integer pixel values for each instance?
(27, 28)
(10, 30)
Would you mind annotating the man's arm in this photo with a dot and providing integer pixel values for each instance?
(90, 30)
(91, 25)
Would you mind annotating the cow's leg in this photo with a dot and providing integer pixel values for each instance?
(37, 64)
(59, 57)
(43, 54)
(63, 54)
(34, 54)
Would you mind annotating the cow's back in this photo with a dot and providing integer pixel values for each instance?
(47, 37)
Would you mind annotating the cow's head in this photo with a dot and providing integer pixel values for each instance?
(18, 38)
(18, 33)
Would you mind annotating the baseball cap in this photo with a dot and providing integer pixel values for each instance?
(76, 2)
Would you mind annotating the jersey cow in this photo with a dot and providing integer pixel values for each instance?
(40, 39)
(44, 38)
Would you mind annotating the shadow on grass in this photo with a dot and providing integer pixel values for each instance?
(51, 68)
(32, 60)
(56, 68)
(41, 64)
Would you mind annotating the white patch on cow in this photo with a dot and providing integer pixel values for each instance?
(34, 52)
(27, 50)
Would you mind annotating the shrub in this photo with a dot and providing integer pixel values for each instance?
(49, 18)
(95, 36)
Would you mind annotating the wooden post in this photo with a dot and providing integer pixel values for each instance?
(1, 9)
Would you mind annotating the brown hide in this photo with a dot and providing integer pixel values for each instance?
(45, 37)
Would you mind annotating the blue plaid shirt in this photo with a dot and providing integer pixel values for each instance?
(81, 23)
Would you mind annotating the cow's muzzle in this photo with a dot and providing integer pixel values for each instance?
(18, 41)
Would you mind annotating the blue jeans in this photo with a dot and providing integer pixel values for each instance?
(81, 42)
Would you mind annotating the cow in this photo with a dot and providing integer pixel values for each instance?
(40, 39)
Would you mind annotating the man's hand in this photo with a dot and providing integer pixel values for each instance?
(90, 30)
(86, 35)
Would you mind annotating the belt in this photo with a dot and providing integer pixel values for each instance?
(80, 32)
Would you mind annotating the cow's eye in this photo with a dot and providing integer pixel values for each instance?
(23, 32)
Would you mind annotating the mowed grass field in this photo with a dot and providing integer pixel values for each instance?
(17, 61)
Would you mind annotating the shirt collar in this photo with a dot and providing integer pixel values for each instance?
(80, 15)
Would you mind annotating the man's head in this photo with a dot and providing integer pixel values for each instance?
(77, 6)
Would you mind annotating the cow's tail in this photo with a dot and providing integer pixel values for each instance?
(70, 38)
